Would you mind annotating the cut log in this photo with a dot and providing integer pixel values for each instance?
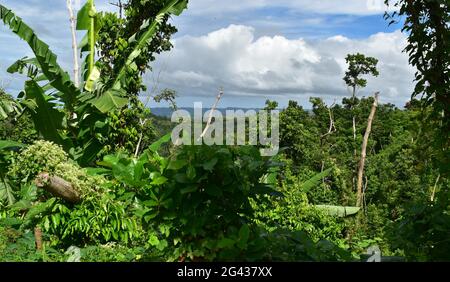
(58, 187)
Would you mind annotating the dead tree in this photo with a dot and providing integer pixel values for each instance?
(73, 23)
(364, 150)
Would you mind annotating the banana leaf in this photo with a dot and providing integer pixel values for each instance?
(339, 211)
(47, 60)
(314, 181)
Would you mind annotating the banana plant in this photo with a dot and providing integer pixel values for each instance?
(315, 180)
(6, 191)
(8, 107)
(88, 20)
(338, 211)
(62, 112)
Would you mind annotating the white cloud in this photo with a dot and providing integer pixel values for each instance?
(243, 59)
(275, 66)
(348, 7)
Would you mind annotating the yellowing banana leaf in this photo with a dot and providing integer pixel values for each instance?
(339, 211)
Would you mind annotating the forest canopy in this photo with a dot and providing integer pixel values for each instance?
(88, 173)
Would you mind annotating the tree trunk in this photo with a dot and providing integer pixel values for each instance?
(364, 149)
(76, 76)
(352, 109)
(58, 187)
(38, 238)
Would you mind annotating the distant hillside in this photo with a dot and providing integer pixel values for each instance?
(167, 112)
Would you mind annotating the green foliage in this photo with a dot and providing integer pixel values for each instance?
(422, 232)
(428, 48)
(129, 128)
(292, 211)
(359, 64)
(17, 246)
(15, 124)
(8, 106)
(197, 198)
(115, 46)
(99, 219)
(47, 118)
(168, 95)
(110, 252)
(314, 181)
(286, 245)
(82, 127)
(42, 156)
(147, 201)
(426, 24)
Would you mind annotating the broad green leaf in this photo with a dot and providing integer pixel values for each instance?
(214, 190)
(209, 165)
(110, 100)
(314, 181)
(7, 144)
(90, 151)
(191, 173)
(153, 240)
(84, 15)
(244, 233)
(177, 164)
(6, 192)
(38, 210)
(159, 180)
(225, 243)
(8, 107)
(97, 171)
(23, 64)
(21, 205)
(157, 145)
(47, 118)
(188, 190)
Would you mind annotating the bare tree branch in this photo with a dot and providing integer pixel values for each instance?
(214, 107)
(120, 6)
(332, 127)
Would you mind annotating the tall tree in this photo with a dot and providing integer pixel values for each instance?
(358, 65)
(362, 161)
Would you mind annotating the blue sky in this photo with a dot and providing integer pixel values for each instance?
(254, 49)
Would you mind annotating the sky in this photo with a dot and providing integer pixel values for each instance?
(254, 49)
